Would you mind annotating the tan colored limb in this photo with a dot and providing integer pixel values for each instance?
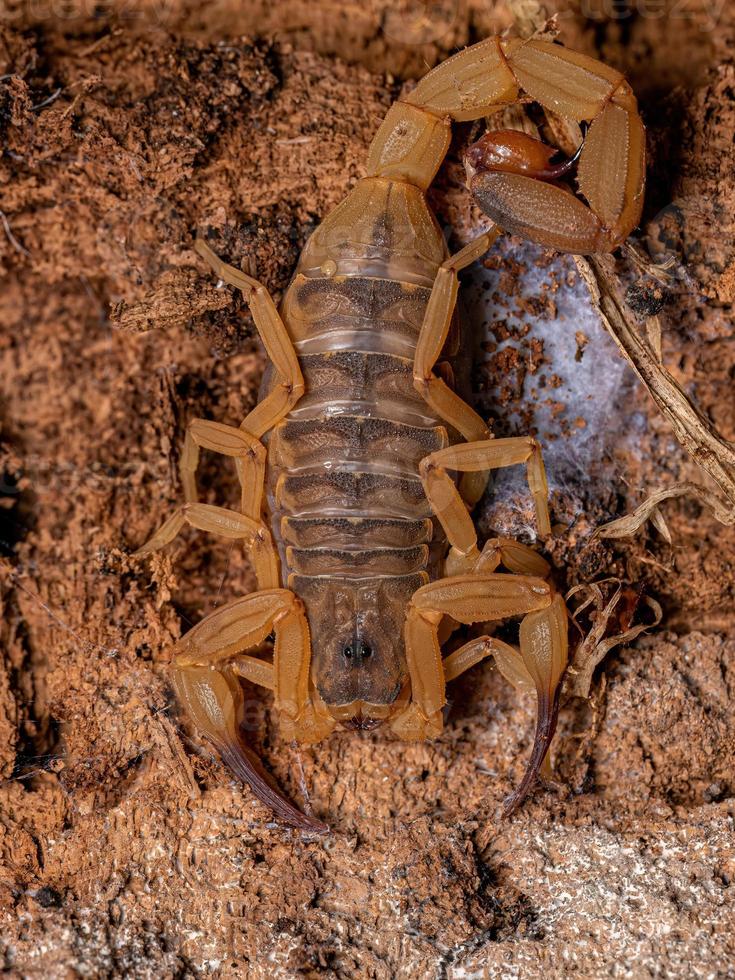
(509, 661)
(422, 718)
(206, 664)
(540, 662)
(246, 623)
(242, 444)
(449, 406)
(467, 599)
(241, 624)
(481, 596)
(612, 164)
(473, 457)
(256, 671)
(289, 386)
(516, 557)
(432, 337)
(477, 650)
(442, 301)
(227, 524)
(544, 651)
(248, 452)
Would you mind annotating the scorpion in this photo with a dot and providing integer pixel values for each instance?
(360, 464)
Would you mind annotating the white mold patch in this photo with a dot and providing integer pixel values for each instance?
(544, 365)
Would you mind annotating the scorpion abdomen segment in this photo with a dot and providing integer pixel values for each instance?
(357, 564)
(354, 313)
(345, 491)
(354, 529)
(361, 382)
(380, 532)
(318, 442)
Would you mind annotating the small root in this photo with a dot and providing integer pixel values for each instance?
(11, 237)
(625, 526)
(595, 646)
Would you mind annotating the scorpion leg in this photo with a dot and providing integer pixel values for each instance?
(207, 662)
(248, 452)
(448, 504)
(467, 599)
(511, 664)
(228, 524)
(507, 657)
(521, 560)
(516, 557)
(432, 337)
(289, 385)
(244, 443)
(256, 671)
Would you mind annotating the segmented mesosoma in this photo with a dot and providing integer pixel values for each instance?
(365, 553)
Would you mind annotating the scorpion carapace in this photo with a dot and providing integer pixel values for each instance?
(360, 535)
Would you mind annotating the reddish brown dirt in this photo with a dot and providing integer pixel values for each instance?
(125, 850)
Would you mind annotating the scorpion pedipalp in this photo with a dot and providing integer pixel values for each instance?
(208, 662)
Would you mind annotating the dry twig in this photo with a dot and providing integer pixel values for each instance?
(595, 645)
(696, 434)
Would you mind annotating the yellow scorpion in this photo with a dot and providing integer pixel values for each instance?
(358, 527)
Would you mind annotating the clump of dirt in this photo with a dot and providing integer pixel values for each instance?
(125, 849)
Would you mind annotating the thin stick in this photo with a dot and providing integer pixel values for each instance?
(11, 237)
(694, 431)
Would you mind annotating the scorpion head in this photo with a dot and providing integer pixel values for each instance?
(358, 653)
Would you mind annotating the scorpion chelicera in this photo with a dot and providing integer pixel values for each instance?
(360, 464)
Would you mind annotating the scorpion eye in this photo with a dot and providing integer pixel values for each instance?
(357, 652)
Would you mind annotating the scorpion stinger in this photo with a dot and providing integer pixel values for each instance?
(364, 550)
(516, 192)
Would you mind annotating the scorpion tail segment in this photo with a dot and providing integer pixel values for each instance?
(468, 85)
(415, 134)
(544, 650)
(213, 700)
(507, 175)
(566, 82)
(410, 145)
(612, 166)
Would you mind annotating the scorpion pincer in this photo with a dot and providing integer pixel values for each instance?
(360, 465)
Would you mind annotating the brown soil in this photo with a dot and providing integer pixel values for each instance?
(125, 849)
